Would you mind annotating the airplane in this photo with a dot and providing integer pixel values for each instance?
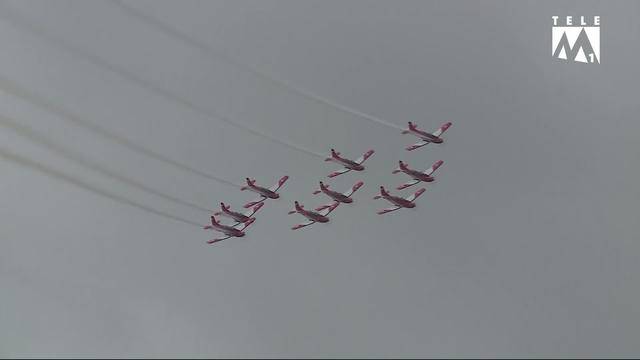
(339, 197)
(425, 136)
(397, 201)
(348, 164)
(230, 231)
(270, 193)
(313, 216)
(237, 216)
(417, 176)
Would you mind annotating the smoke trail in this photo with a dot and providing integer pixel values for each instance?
(24, 161)
(18, 91)
(21, 22)
(202, 46)
(38, 138)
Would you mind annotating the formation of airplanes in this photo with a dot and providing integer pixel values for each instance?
(242, 220)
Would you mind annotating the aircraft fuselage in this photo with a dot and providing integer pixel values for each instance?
(339, 197)
(228, 230)
(349, 164)
(419, 175)
(313, 216)
(264, 192)
(396, 200)
(236, 216)
(427, 137)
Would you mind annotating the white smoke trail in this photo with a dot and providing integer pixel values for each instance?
(65, 114)
(21, 22)
(78, 158)
(203, 47)
(24, 161)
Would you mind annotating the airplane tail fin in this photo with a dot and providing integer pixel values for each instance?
(383, 192)
(409, 129)
(224, 208)
(399, 168)
(322, 187)
(334, 155)
(442, 129)
(250, 183)
(298, 208)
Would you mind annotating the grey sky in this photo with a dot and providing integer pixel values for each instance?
(526, 245)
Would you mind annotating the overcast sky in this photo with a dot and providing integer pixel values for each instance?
(526, 244)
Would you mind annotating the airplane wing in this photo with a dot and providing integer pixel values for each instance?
(254, 209)
(364, 157)
(433, 168)
(326, 211)
(279, 184)
(412, 197)
(417, 145)
(407, 184)
(217, 240)
(255, 202)
(300, 226)
(388, 210)
(353, 189)
(442, 129)
(242, 226)
(339, 172)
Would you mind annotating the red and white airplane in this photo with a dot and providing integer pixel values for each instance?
(313, 216)
(425, 136)
(398, 202)
(237, 216)
(339, 197)
(270, 193)
(230, 231)
(418, 176)
(348, 164)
